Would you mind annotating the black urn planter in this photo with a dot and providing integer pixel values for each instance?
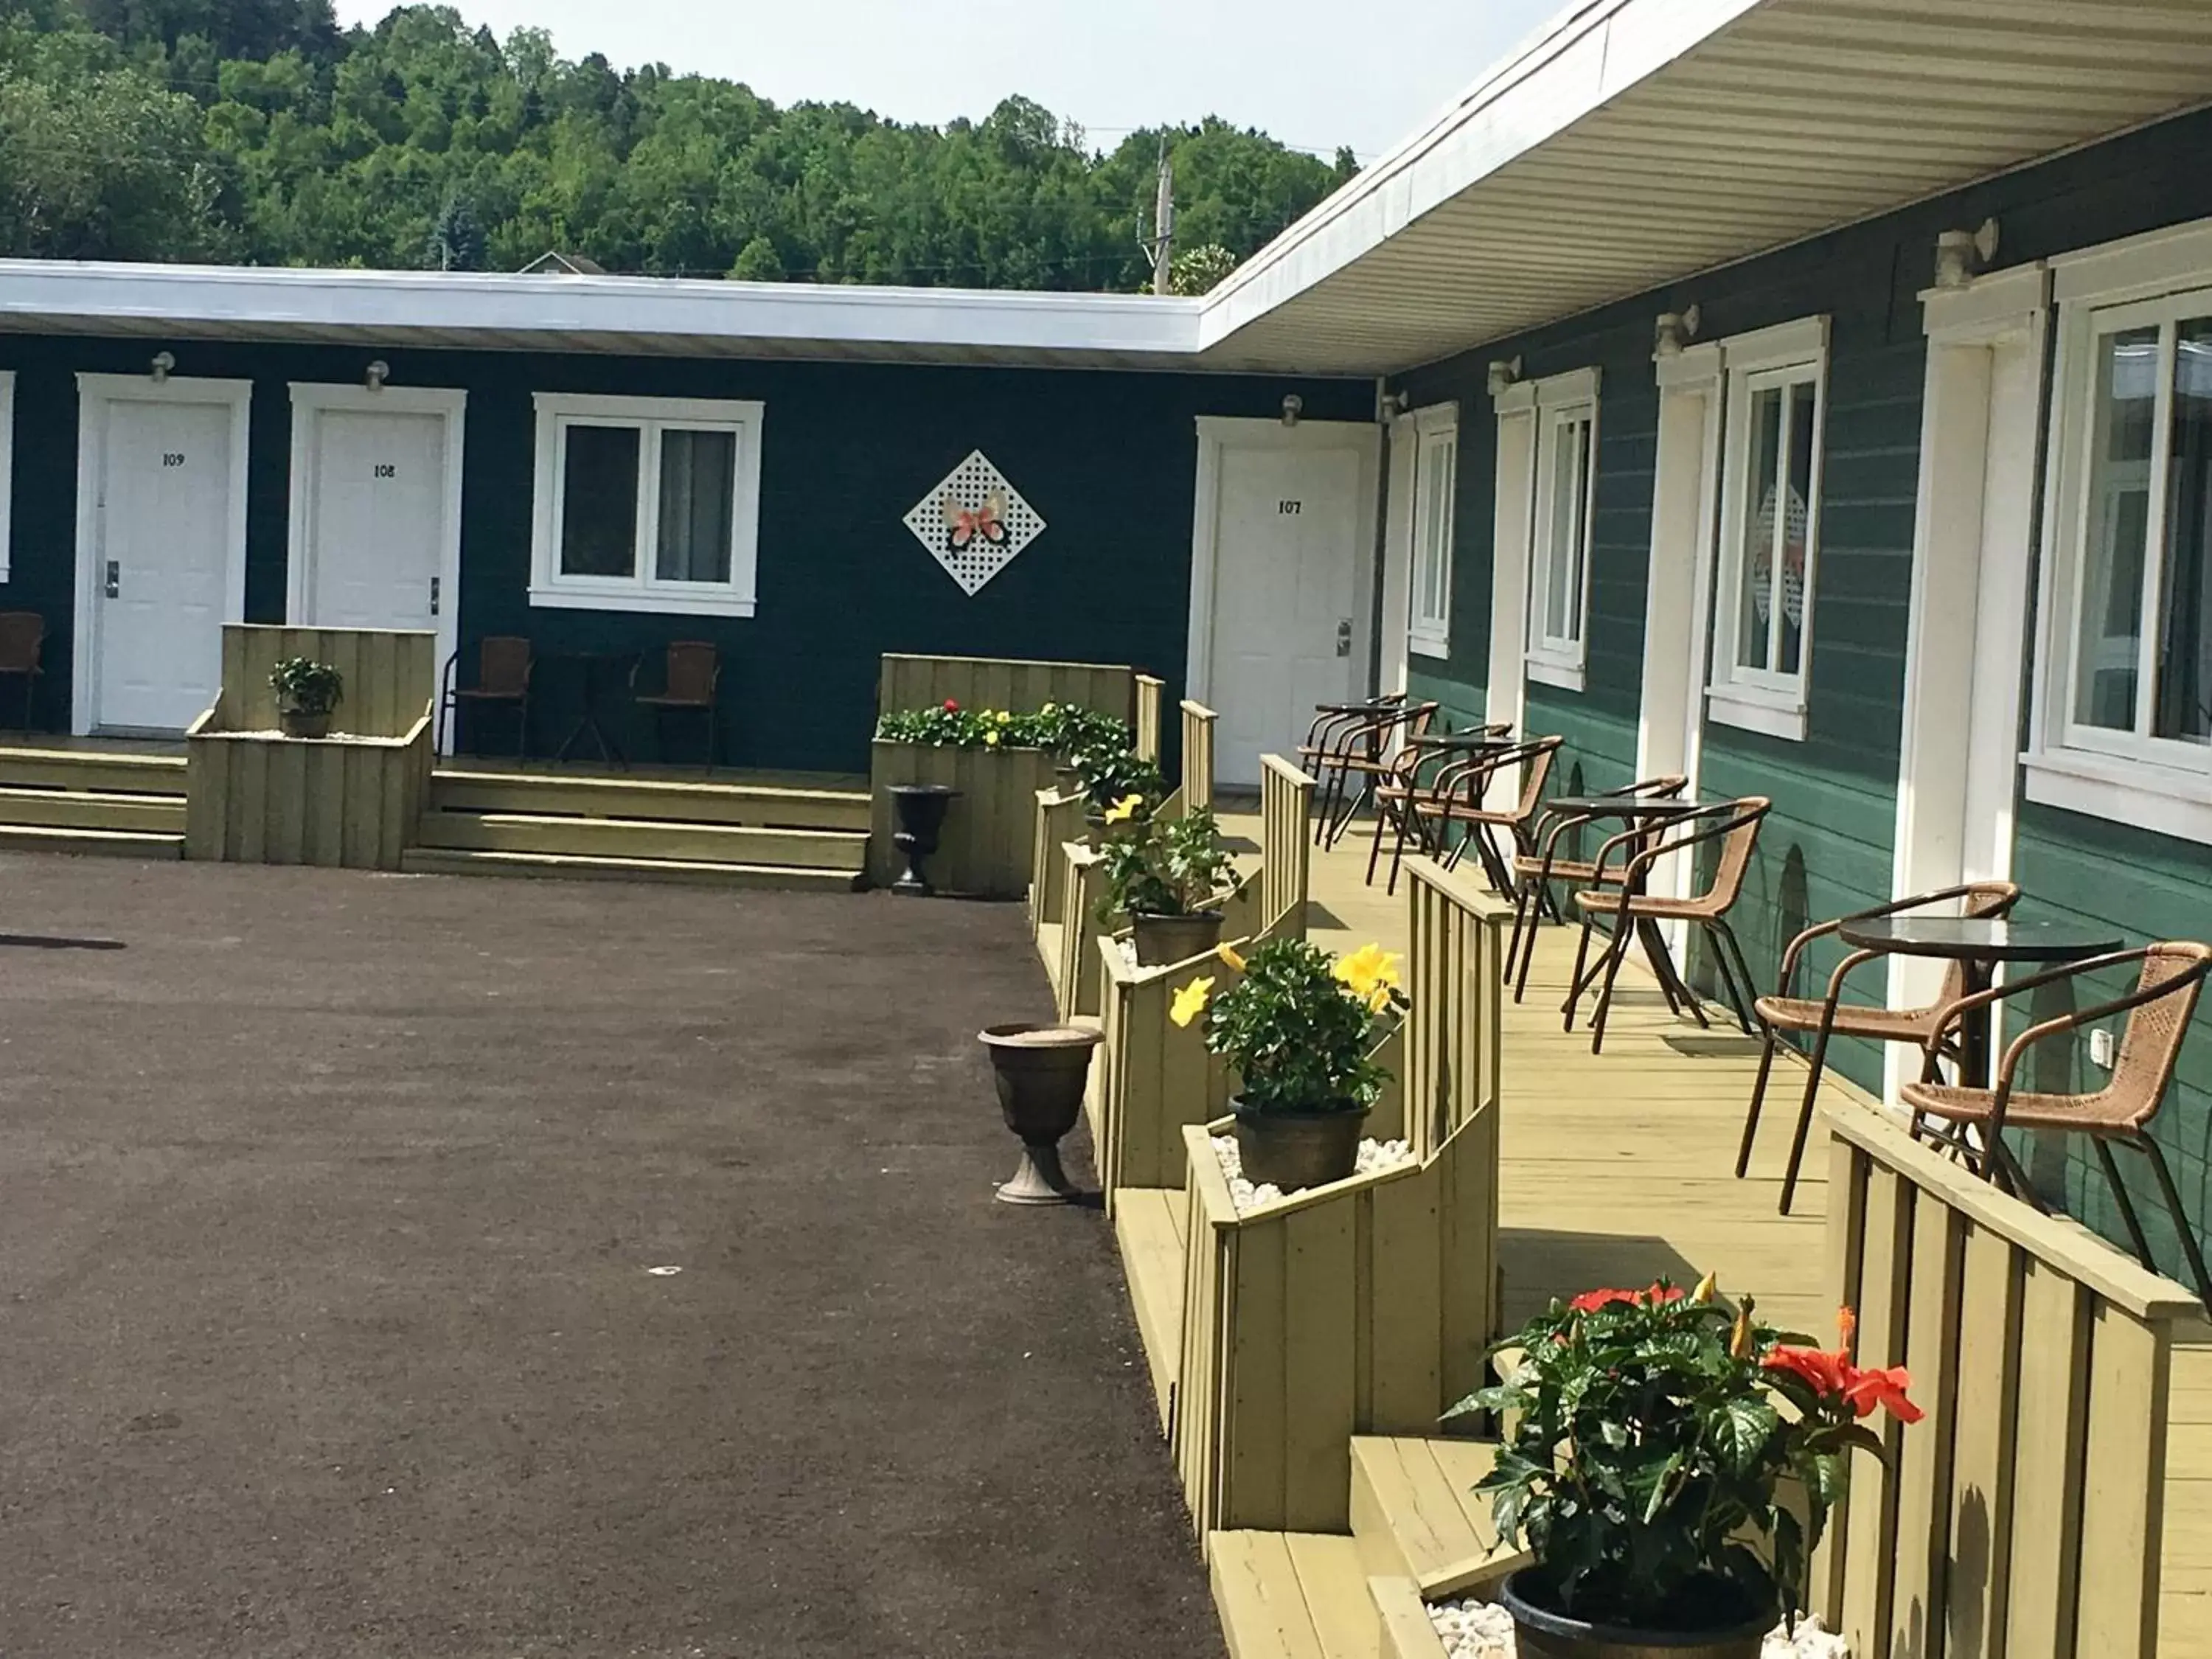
(918, 816)
(1162, 941)
(1540, 1633)
(1296, 1150)
(1041, 1071)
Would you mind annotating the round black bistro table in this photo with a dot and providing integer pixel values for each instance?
(595, 669)
(1980, 944)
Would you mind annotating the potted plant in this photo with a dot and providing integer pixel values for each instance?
(1670, 1465)
(1062, 728)
(1166, 877)
(1300, 1030)
(1109, 772)
(307, 693)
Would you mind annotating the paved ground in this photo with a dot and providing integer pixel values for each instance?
(326, 1208)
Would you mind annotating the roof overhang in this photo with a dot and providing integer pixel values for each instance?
(1637, 142)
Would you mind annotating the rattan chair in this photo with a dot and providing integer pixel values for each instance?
(1367, 752)
(1734, 825)
(1402, 797)
(504, 665)
(2170, 978)
(1463, 805)
(1331, 729)
(1825, 1016)
(1535, 871)
(690, 684)
(23, 642)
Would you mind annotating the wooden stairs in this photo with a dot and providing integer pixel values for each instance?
(742, 830)
(110, 802)
(1417, 1535)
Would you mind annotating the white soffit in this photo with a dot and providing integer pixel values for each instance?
(1640, 141)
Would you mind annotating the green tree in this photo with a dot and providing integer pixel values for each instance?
(758, 262)
(1200, 270)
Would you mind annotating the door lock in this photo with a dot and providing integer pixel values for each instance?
(1344, 637)
(115, 579)
(434, 595)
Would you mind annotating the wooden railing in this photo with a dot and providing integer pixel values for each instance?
(1198, 724)
(1150, 691)
(2024, 1517)
(1286, 854)
(914, 682)
(1075, 979)
(1059, 820)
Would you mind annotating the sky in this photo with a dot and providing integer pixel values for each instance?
(1314, 73)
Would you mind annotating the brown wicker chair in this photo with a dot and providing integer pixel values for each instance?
(1396, 795)
(1368, 751)
(503, 671)
(692, 681)
(1461, 805)
(22, 641)
(1827, 1016)
(2169, 980)
(1734, 826)
(1533, 872)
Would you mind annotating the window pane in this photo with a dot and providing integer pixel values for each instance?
(2184, 675)
(1434, 545)
(2119, 515)
(598, 503)
(1798, 528)
(1755, 592)
(698, 476)
(1563, 568)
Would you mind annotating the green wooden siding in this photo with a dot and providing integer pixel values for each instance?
(1107, 458)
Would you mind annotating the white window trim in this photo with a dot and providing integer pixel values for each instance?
(1434, 428)
(1556, 400)
(1761, 700)
(7, 466)
(2163, 785)
(643, 592)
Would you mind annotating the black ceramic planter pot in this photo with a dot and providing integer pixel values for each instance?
(1541, 1633)
(1296, 1150)
(1041, 1071)
(1162, 941)
(298, 723)
(918, 816)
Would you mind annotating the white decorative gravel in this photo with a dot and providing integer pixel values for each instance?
(1481, 1630)
(1128, 946)
(1374, 1155)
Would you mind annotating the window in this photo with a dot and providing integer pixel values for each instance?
(646, 504)
(1435, 472)
(7, 460)
(1770, 528)
(1559, 528)
(2123, 727)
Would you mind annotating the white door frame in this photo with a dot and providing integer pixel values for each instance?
(1218, 433)
(310, 398)
(96, 395)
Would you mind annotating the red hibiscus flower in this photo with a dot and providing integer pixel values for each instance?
(951, 706)
(1867, 1390)
(1826, 1373)
(1657, 1296)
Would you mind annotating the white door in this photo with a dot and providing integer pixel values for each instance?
(375, 509)
(1291, 554)
(161, 548)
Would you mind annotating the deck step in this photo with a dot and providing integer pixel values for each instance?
(1150, 1227)
(765, 805)
(102, 771)
(844, 852)
(104, 844)
(1292, 1595)
(1415, 1515)
(89, 809)
(447, 861)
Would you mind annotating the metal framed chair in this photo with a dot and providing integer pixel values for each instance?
(690, 684)
(1368, 751)
(1825, 1016)
(1332, 725)
(2170, 978)
(1734, 825)
(504, 665)
(1533, 872)
(1400, 793)
(1461, 805)
(23, 642)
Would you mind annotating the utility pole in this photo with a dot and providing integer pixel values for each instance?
(1163, 222)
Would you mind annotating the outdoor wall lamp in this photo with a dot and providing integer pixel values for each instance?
(379, 373)
(1960, 253)
(1674, 329)
(1502, 374)
(160, 368)
(1293, 406)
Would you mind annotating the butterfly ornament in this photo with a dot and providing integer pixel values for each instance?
(963, 528)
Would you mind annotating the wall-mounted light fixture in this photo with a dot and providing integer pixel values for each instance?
(162, 366)
(1962, 254)
(1502, 374)
(377, 373)
(1293, 406)
(1674, 329)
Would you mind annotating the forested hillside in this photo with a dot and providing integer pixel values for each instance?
(258, 131)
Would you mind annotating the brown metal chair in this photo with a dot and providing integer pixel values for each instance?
(1368, 751)
(22, 641)
(2169, 980)
(1734, 826)
(1534, 872)
(503, 669)
(1824, 1017)
(1333, 725)
(1463, 805)
(690, 683)
(1398, 792)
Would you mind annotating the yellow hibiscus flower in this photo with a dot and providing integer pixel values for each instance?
(990, 739)
(1190, 1002)
(1124, 809)
(1230, 959)
(1367, 972)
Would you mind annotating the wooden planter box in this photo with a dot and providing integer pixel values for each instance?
(353, 798)
(1057, 819)
(1075, 969)
(989, 837)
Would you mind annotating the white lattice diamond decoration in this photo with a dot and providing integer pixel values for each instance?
(975, 523)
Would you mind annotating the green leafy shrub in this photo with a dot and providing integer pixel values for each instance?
(304, 686)
(1300, 1029)
(1167, 868)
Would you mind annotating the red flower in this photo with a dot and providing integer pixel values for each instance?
(951, 706)
(1826, 1373)
(1657, 1296)
(1876, 1387)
